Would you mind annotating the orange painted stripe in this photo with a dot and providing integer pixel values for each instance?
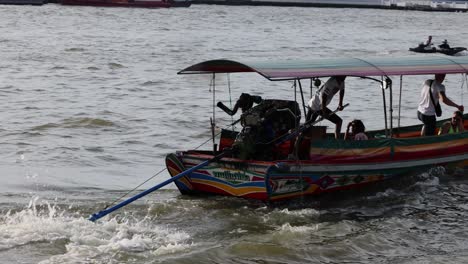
(433, 146)
(350, 152)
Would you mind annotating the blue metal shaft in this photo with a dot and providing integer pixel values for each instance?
(105, 212)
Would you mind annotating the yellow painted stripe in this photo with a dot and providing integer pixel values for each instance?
(184, 180)
(173, 171)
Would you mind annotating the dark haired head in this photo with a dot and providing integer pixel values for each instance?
(358, 126)
(246, 101)
(439, 77)
(457, 117)
(341, 78)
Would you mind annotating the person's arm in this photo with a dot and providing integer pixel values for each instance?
(461, 127)
(347, 133)
(449, 102)
(445, 128)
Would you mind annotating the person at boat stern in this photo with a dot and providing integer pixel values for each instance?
(455, 125)
(319, 102)
(427, 109)
(356, 131)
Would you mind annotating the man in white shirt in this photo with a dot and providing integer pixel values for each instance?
(428, 43)
(426, 109)
(319, 102)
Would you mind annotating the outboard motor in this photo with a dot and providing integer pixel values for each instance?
(262, 124)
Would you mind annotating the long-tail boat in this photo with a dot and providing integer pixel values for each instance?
(276, 157)
(302, 159)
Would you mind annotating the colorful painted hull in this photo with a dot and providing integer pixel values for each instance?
(334, 165)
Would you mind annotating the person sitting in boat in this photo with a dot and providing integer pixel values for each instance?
(319, 102)
(444, 45)
(426, 108)
(358, 131)
(455, 125)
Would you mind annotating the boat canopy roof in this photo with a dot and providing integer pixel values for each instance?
(361, 67)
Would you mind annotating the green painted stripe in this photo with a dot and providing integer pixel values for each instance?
(331, 143)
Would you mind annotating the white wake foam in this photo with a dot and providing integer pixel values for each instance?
(85, 240)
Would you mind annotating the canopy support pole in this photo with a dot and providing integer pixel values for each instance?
(399, 104)
(388, 83)
(311, 89)
(295, 93)
(302, 96)
(464, 81)
(213, 121)
(385, 107)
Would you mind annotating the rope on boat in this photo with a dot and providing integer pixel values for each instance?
(399, 103)
(159, 172)
(213, 123)
(105, 212)
(113, 202)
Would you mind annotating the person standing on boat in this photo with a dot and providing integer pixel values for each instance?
(319, 102)
(426, 109)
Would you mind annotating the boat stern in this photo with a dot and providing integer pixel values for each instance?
(175, 166)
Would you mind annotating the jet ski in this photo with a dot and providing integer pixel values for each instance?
(444, 49)
(424, 49)
(451, 51)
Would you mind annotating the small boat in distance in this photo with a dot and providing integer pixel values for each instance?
(130, 3)
(444, 49)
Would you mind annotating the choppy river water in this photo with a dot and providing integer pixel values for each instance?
(91, 103)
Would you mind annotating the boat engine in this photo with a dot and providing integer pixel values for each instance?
(262, 125)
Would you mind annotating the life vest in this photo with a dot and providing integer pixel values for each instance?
(451, 130)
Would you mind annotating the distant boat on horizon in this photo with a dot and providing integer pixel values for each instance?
(421, 5)
(22, 2)
(130, 3)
